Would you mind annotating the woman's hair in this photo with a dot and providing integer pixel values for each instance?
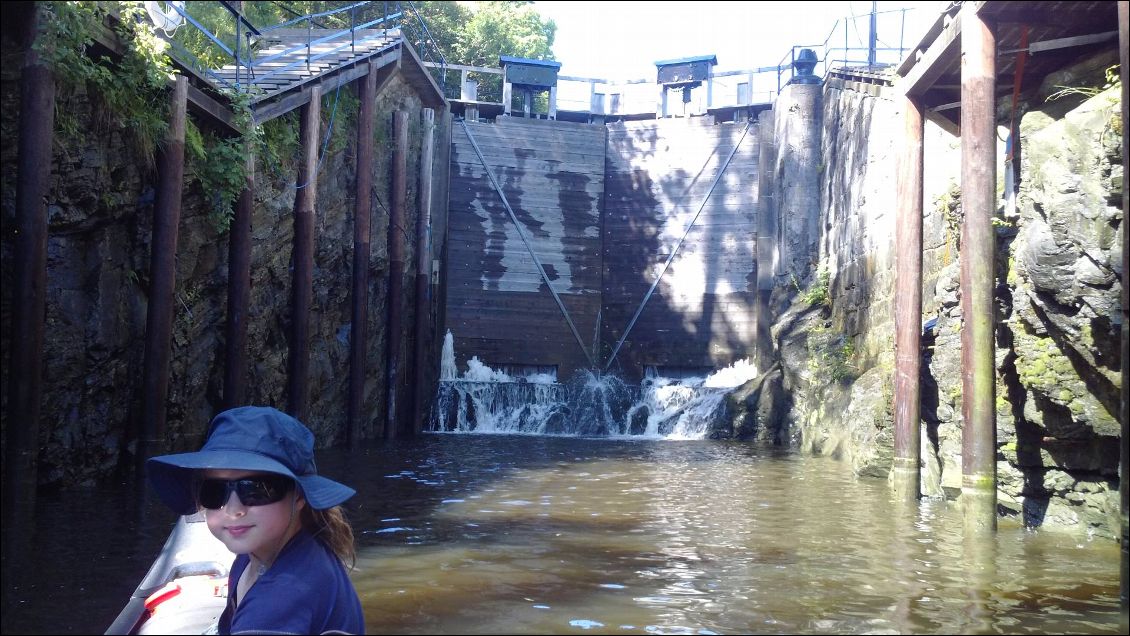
(333, 529)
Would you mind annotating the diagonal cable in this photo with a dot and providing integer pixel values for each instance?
(671, 257)
(521, 233)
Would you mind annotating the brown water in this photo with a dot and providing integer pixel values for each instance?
(514, 534)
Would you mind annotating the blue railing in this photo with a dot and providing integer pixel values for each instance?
(247, 35)
(830, 54)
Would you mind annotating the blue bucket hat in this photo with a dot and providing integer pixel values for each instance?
(255, 438)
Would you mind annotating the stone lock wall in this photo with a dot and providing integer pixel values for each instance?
(1058, 317)
(100, 207)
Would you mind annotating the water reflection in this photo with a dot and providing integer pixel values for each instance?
(519, 534)
(546, 535)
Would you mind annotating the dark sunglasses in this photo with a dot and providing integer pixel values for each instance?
(259, 490)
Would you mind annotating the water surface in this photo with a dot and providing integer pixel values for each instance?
(521, 534)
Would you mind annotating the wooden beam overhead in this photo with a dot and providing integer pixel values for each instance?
(934, 61)
(266, 112)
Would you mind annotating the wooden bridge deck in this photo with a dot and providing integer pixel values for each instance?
(280, 85)
(276, 77)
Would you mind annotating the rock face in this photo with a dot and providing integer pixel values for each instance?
(100, 207)
(1059, 353)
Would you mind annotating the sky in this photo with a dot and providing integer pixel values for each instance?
(623, 40)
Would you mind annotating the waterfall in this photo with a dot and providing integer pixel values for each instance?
(532, 401)
(447, 370)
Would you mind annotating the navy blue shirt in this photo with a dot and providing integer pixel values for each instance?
(306, 591)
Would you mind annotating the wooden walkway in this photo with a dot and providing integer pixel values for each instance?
(284, 71)
(289, 62)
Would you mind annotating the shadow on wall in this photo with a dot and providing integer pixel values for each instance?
(658, 176)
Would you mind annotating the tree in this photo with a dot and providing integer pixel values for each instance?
(494, 29)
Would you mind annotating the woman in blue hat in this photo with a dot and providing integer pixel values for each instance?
(258, 487)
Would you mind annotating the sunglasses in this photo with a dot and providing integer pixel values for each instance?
(252, 491)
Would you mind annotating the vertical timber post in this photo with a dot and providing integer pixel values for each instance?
(162, 276)
(29, 300)
(302, 280)
(978, 202)
(1124, 56)
(423, 270)
(396, 228)
(239, 287)
(908, 305)
(766, 240)
(362, 223)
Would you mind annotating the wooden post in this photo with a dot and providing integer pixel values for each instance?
(978, 202)
(766, 240)
(396, 229)
(908, 305)
(423, 272)
(507, 96)
(1123, 43)
(362, 209)
(552, 102)
(302, 281)
(162, 276)
(239, 288)
(29, 298)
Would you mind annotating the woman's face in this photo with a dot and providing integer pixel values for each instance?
(259, 530)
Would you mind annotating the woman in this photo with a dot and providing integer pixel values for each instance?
(258, 487)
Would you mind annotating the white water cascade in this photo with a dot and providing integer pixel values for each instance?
(487, 400)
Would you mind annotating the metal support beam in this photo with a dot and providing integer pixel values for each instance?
(302, 279)
(162, 276)
(908, 305)
(978, 202)
(362, 225)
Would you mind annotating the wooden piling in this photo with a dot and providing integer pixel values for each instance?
(239, 288)
(162, 276)
(423, 272)
(1124, 56)
(29, 298)
(362, 208)
(978, 202)
(396, 230)
(766, 240)
(908, 305)
(303, 260)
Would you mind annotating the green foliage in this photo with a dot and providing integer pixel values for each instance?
(219, 166)
(817, 293)
(1113, 78)
(279, 145)
(132, 89)
(830, 355)
(478, 36)
(347, 106)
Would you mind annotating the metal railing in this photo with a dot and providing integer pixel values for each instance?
(837, 49)
(247, 38)
(735, 88)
